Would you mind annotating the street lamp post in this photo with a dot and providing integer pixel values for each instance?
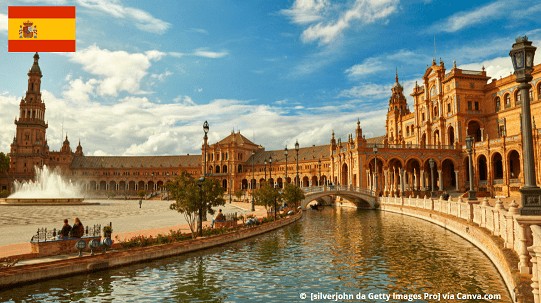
(201, 180)
(297, 151)
(265, 169)
(270, 169)
(253, 184)
(522, 55)
(285, 153)
(375, 149)
(469, 148)
(431, 162)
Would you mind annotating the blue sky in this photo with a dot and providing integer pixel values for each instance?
(147, 74)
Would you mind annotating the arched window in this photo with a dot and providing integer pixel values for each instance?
(507, 99)
(518, 97)
(539, 91)
(497, 104)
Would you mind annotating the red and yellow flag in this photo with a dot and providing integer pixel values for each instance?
(41, 28)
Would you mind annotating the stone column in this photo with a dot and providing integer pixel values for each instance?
(386, 175)
(523, 264)
(415, 180)
(422, 175)
(456, 180)
(440, 180)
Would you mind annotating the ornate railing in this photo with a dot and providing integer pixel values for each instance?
(43, 234)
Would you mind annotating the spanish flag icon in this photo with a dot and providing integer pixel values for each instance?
(41, 28)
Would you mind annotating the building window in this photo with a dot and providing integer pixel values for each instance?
(472, 85)
(507, 99)
(423, 116)
(497, 104)
(448, 107)
(518, 98)
(469, 105)
(476, 105)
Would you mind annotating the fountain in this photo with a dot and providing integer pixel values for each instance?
(48, 187)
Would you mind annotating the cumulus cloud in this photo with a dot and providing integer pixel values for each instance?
(141, 19)
(141, 126)
(327, 22)
(369, 66)
(115, 71)
(306, 11)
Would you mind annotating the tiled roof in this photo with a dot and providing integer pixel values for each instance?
(135, 161)
(305, 153)
(375, 140)
(237, 138)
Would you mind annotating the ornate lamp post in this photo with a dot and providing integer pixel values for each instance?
(431, 162)
(469, 148)
(285, 154)
(297, 150)
(522, 55)
(201, 180)
(253, 184)
(270, 169)
(265, 169)
(375, 149)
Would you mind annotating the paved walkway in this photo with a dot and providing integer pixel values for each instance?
(19, 223)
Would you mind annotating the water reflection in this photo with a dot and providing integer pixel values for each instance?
(328, 251)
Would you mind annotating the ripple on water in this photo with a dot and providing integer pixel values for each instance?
(328, 251)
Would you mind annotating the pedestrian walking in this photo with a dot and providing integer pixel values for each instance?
(140, 202)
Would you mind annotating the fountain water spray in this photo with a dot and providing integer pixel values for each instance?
(48, 184)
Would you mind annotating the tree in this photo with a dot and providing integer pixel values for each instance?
(191, 195)
(292, 194)
(266, 195)
(238, 194)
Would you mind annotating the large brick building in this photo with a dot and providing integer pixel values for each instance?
(449, 105)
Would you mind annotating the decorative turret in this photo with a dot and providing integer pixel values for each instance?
(398, 108)
(79, 150)
(66, 146)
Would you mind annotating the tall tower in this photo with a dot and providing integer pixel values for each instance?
(29, 147)
(398, 108)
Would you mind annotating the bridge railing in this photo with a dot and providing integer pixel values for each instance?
(318, 189)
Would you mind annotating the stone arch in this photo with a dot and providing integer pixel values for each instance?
(518, 97)
(314, 181)
(93, 185)
(211, 168)
(450, 135)
(413, 173)
(423, 140)
(474, 130)
(428, 174)
(112, 185)
(122, 185)
(103, 185)
(131, 185)
(141, 185)
(497, 166)
(217, 169)
(482, 167)
(513, 165)
(497, 104)
(305, 181)
(436, 137)
(344, 176)
(224, 169)
(448, 174)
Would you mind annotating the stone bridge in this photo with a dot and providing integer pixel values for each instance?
(363, 198)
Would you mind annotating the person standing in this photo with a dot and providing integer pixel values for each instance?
(140, 202)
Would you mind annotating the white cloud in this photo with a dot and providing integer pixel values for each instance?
(369, 66)
(306, 11)
(369, 90)
(116, 71)
(141, 19)
(3, 23)
(139, 126)
(496, 68)
(326, 28)
(203, 52)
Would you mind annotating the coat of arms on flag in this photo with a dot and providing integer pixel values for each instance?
(56, 28)
(28, 30)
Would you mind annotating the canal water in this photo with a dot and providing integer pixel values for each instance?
(333, 255)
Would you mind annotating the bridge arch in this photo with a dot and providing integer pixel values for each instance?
(362, 198)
